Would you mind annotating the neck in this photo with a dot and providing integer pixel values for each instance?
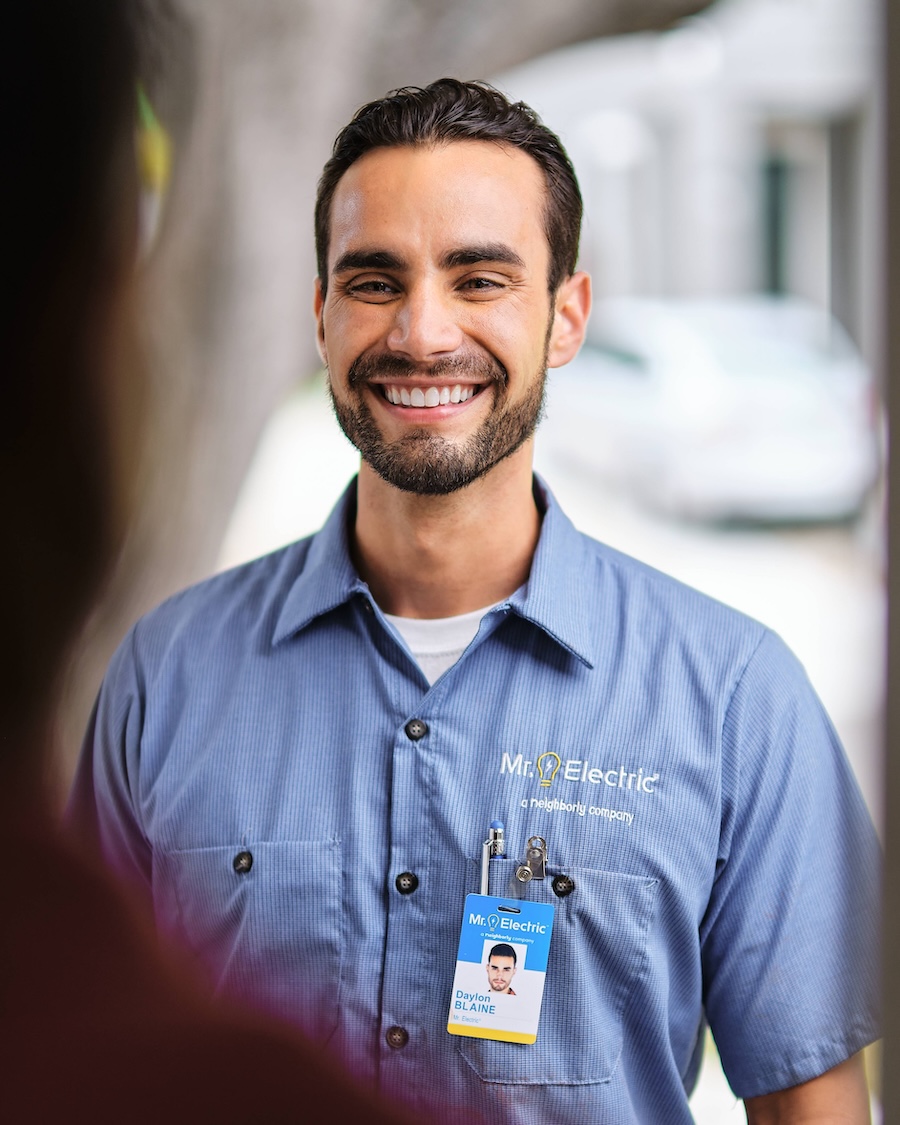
(440, 556)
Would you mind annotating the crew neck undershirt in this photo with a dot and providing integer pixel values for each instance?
(437, 643)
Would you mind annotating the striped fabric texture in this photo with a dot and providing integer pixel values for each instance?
(266, 758)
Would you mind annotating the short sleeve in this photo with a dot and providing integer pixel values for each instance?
(104, 803)
(789, 942)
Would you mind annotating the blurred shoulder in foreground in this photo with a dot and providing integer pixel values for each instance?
(94, 1024)
(95, 1027)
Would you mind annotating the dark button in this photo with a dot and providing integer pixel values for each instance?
(415, 729)
(563, 885)
(396, 1037)
(406, 882)
(242, 862)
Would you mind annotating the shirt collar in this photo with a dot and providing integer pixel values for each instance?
(560, 590)
(556, 596)
(328, 578)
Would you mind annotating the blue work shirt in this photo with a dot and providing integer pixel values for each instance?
(266, 758)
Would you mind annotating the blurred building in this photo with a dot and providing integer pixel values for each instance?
(736, 153)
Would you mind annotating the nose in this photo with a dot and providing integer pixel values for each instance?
(424, 326)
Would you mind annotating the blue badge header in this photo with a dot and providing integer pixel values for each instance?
(515, 921)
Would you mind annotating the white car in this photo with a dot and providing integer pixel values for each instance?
(754, 408)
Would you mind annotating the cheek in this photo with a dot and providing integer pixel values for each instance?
(348, 332)
(517, 337)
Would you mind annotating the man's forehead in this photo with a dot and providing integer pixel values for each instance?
(476, 157)
(464, 188)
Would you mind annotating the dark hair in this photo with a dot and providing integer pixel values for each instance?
(503, 950)
(450, 110)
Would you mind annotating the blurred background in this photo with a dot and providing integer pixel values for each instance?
(724, 419)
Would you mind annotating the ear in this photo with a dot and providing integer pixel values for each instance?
(318, 310)
(572, 306)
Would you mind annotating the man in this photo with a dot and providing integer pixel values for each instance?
(299, 759)
(501, 968)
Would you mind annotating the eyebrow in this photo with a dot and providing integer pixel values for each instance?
(462, 256)
(486, 252)
(368, 260)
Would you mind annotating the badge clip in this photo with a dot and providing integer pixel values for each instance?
(535, 865)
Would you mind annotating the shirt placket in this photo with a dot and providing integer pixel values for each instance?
(408, 965)
(414, 1001)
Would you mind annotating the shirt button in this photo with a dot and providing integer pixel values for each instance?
(396, 1037)
(406, 882)
(563, 885)
(416, 729)
(242, 862)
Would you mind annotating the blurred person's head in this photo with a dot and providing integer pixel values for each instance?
(450, 110)
(68, 73)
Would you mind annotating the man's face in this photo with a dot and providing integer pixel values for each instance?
(437, 324)
(500, 972)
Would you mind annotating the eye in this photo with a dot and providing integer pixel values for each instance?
(481, 284)
(481, 288)
(372, 290)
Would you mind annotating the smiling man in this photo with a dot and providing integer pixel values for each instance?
(298, 760)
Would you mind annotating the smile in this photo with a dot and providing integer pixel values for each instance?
(428, 396)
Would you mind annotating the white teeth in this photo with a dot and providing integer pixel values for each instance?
(430, 396)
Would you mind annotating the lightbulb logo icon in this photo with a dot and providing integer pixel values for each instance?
(547, 765)
(494, 921)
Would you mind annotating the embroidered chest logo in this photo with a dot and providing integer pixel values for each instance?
(574, 778)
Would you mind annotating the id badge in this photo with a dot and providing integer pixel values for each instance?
(500, 969)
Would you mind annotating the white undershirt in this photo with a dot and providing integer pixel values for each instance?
(437, 643)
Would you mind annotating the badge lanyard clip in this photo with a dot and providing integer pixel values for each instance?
(535, 865)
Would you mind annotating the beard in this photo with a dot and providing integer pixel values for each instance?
(427, 463)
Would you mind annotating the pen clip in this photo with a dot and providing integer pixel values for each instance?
(492, 847)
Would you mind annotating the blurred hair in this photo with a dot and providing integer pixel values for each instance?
(451, 110)
(67, 208)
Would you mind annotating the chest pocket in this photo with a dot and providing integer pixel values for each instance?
(598, 955)
(264, 919)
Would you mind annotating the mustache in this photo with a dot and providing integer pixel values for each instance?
(478, 368)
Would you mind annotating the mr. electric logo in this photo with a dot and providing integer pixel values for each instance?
(495, 922)
(549, 767)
